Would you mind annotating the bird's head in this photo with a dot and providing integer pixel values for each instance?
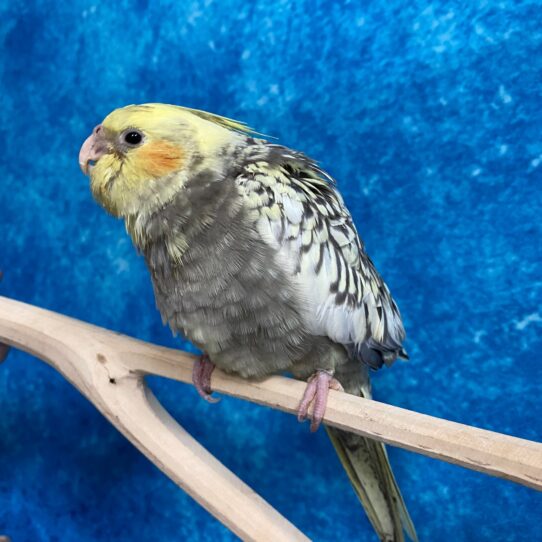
(140, 156)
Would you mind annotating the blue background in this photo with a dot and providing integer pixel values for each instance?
(427, 113)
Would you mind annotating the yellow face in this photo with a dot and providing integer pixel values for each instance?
(135, 157)
(142, 155)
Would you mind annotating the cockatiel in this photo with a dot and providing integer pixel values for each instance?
(255, 259)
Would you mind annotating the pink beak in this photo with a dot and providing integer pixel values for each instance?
(92, 149)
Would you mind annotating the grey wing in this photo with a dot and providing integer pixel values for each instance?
(299, 211)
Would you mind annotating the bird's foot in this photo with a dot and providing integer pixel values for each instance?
(317, 389)
(201, 377)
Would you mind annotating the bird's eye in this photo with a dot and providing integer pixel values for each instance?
(133, 138)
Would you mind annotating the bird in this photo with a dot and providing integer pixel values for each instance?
(254, 258)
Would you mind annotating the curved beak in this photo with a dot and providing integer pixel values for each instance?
(92, 149)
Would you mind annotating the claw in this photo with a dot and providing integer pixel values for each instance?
(316, 392)
(201, 377)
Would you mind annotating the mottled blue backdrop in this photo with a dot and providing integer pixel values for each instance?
(427, 113)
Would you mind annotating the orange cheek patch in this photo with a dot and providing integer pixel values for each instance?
(159, 158)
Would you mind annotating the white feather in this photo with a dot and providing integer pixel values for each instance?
(293, 210)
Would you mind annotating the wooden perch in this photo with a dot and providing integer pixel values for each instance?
(109, 368)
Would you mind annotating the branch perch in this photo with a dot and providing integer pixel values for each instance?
(97, 362)
(109, 369)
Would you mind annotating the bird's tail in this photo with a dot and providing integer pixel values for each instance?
(366, 462)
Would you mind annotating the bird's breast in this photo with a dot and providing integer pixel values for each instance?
(227, 294)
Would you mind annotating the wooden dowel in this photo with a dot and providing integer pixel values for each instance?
(500, 455)
(493, 453)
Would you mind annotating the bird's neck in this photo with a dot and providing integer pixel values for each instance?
(165, 235)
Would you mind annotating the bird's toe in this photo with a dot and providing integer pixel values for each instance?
(316, 393)
(201, 378)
